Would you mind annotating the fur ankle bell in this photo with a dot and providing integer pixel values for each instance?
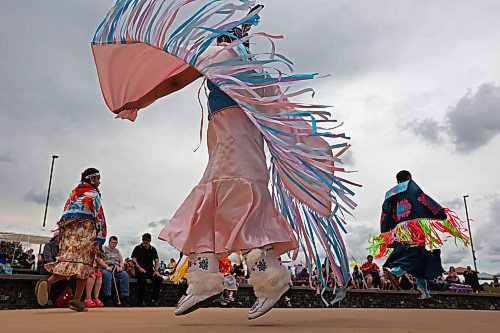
(204, 283)
(269, 283)
(254, 256)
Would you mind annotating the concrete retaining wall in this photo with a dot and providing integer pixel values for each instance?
(17, 292)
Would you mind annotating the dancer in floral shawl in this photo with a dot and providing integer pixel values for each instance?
(82, 227)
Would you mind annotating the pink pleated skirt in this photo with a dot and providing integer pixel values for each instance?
(231, 209)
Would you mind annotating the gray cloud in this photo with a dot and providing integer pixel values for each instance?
(359, 37)
(348, 158)
(454, 204)
(131, 241)
(152, 224)
(455, 258)
(155, 224)
(51, 103)
(429, 129)
(7, 158)
(475, 120)
(357, 239)
(40, 197)
(485, 234)
(490, 196)
(127, 244)
(470, 124)
(495, 217)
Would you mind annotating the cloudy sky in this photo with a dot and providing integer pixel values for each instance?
(417, 84)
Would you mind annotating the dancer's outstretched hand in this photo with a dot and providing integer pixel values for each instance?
(129, 106)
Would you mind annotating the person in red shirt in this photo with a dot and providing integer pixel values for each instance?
(371, 272)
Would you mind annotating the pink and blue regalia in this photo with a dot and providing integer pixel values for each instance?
(145, 50)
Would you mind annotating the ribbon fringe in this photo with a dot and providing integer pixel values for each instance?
(262, 85)
(420, 232)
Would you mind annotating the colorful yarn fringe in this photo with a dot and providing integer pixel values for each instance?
(262, 84)
(423, 232)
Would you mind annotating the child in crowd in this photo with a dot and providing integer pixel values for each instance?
(129, 267)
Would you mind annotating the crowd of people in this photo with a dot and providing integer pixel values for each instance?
(232, 209)
(78, 258)
(24, 260)
(369, 275)
(242, 204)
(112, 271)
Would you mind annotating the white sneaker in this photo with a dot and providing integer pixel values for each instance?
(263, 305)
(191, 302)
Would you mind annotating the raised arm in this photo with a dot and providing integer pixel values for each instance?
(172, 84)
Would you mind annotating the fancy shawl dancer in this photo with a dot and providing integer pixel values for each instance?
(411, 224)
(81, 229)
(145, 50)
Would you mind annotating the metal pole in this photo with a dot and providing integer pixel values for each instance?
(48, 192)
(470, 232)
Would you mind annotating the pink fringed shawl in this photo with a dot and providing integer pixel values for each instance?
(142, 43)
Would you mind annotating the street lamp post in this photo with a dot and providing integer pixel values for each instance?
(48, 191)
(470, 232)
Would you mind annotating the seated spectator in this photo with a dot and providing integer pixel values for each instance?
(317, 281)
(406, 282)
(94, 283)
(112, 266)
(292, 274)
(239, 272)
(437, 284)
(5, 259)
(388, 284)
(129, 267)
(314, 272)
(230, 283)
(145, 258)
(5, 256)
(302, 278)
(27, 260)
(324, 275)
(472, 279)
(50, 252)
(298, 269)
(357, 277)
(372, 274)
(163, 267)
(323, 271)
(452, 276)
(440, 283)
(333, 283)
(171, 266)
(351, 284)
